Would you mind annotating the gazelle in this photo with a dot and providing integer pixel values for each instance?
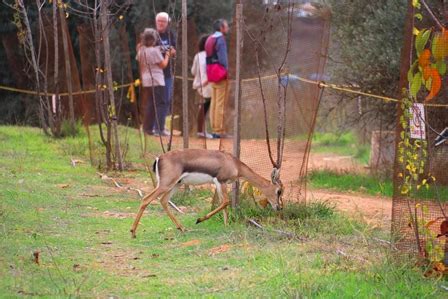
(197, 167)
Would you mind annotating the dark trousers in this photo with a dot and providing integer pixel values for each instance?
(153, 95)
(203, 109)
(165, 108)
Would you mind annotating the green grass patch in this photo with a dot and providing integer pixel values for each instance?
(350, 182)
(346, 144)
(81, 232)
(364, 183)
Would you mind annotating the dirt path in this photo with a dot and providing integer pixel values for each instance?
(374, 210)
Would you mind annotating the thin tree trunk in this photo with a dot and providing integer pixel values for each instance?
(108, 69)
(68, 69)
(56, 67)
(34, 62)
(99, 95)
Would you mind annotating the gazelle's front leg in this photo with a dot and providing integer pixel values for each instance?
(164, 202)
(145, 202)
(221, 188)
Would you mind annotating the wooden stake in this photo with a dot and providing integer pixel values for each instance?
(186, 126)
(237, 119)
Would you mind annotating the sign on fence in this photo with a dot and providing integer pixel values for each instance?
(417, 121)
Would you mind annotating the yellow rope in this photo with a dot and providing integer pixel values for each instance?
(318, 83)
(348, 90)
(75, 93)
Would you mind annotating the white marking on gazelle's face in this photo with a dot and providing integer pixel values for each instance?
(274, 197)
(195, 178)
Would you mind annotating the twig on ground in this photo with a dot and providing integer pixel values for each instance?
(287, 234)
(140, 193)
(175, 207)
(385, 242)
(340, 252)
(76, 161)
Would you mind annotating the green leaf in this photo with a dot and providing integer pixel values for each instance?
(418, 16)
(416, 4)
(421, 40)
(416, 84)
(411, 71)
(441, 67)
(428, 83)
(410, 75)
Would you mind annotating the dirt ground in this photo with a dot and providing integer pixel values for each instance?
(375, 211)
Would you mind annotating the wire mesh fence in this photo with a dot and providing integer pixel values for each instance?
(419, 221)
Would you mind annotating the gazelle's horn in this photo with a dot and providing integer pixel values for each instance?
(275, 175)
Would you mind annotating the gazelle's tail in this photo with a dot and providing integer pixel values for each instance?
(155, 169)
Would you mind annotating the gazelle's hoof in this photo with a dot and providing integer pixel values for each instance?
(182, 229)
(199, 220)
(133, 234)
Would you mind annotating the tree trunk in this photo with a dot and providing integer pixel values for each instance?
(34, 63)
(68, 69)
(105, 26)
(57, 103)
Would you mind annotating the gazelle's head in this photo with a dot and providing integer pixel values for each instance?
(275, 193)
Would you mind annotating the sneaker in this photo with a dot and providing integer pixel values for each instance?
(166, 132)
(163, 133)
(205, 135)
(215, 136)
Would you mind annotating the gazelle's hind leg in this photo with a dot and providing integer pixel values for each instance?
(164, 202)
(145, 202)
(222, 192)
(217, 199)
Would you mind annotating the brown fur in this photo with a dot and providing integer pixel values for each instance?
(220, 165)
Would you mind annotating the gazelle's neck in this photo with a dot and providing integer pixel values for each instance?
(255, 179)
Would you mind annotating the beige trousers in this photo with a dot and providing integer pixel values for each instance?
(220, 92)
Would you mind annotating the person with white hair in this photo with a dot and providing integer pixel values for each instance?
(167, 43)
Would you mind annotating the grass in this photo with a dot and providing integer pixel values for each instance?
(346, 144)
(368, 184)
(350, 182)
(80, 227)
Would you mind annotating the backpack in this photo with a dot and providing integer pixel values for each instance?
(215, 71)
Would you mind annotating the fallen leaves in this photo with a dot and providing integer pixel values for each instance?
(36, 255)
(220, 249)
(191, 243)
(437, 269)
(62, 186)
